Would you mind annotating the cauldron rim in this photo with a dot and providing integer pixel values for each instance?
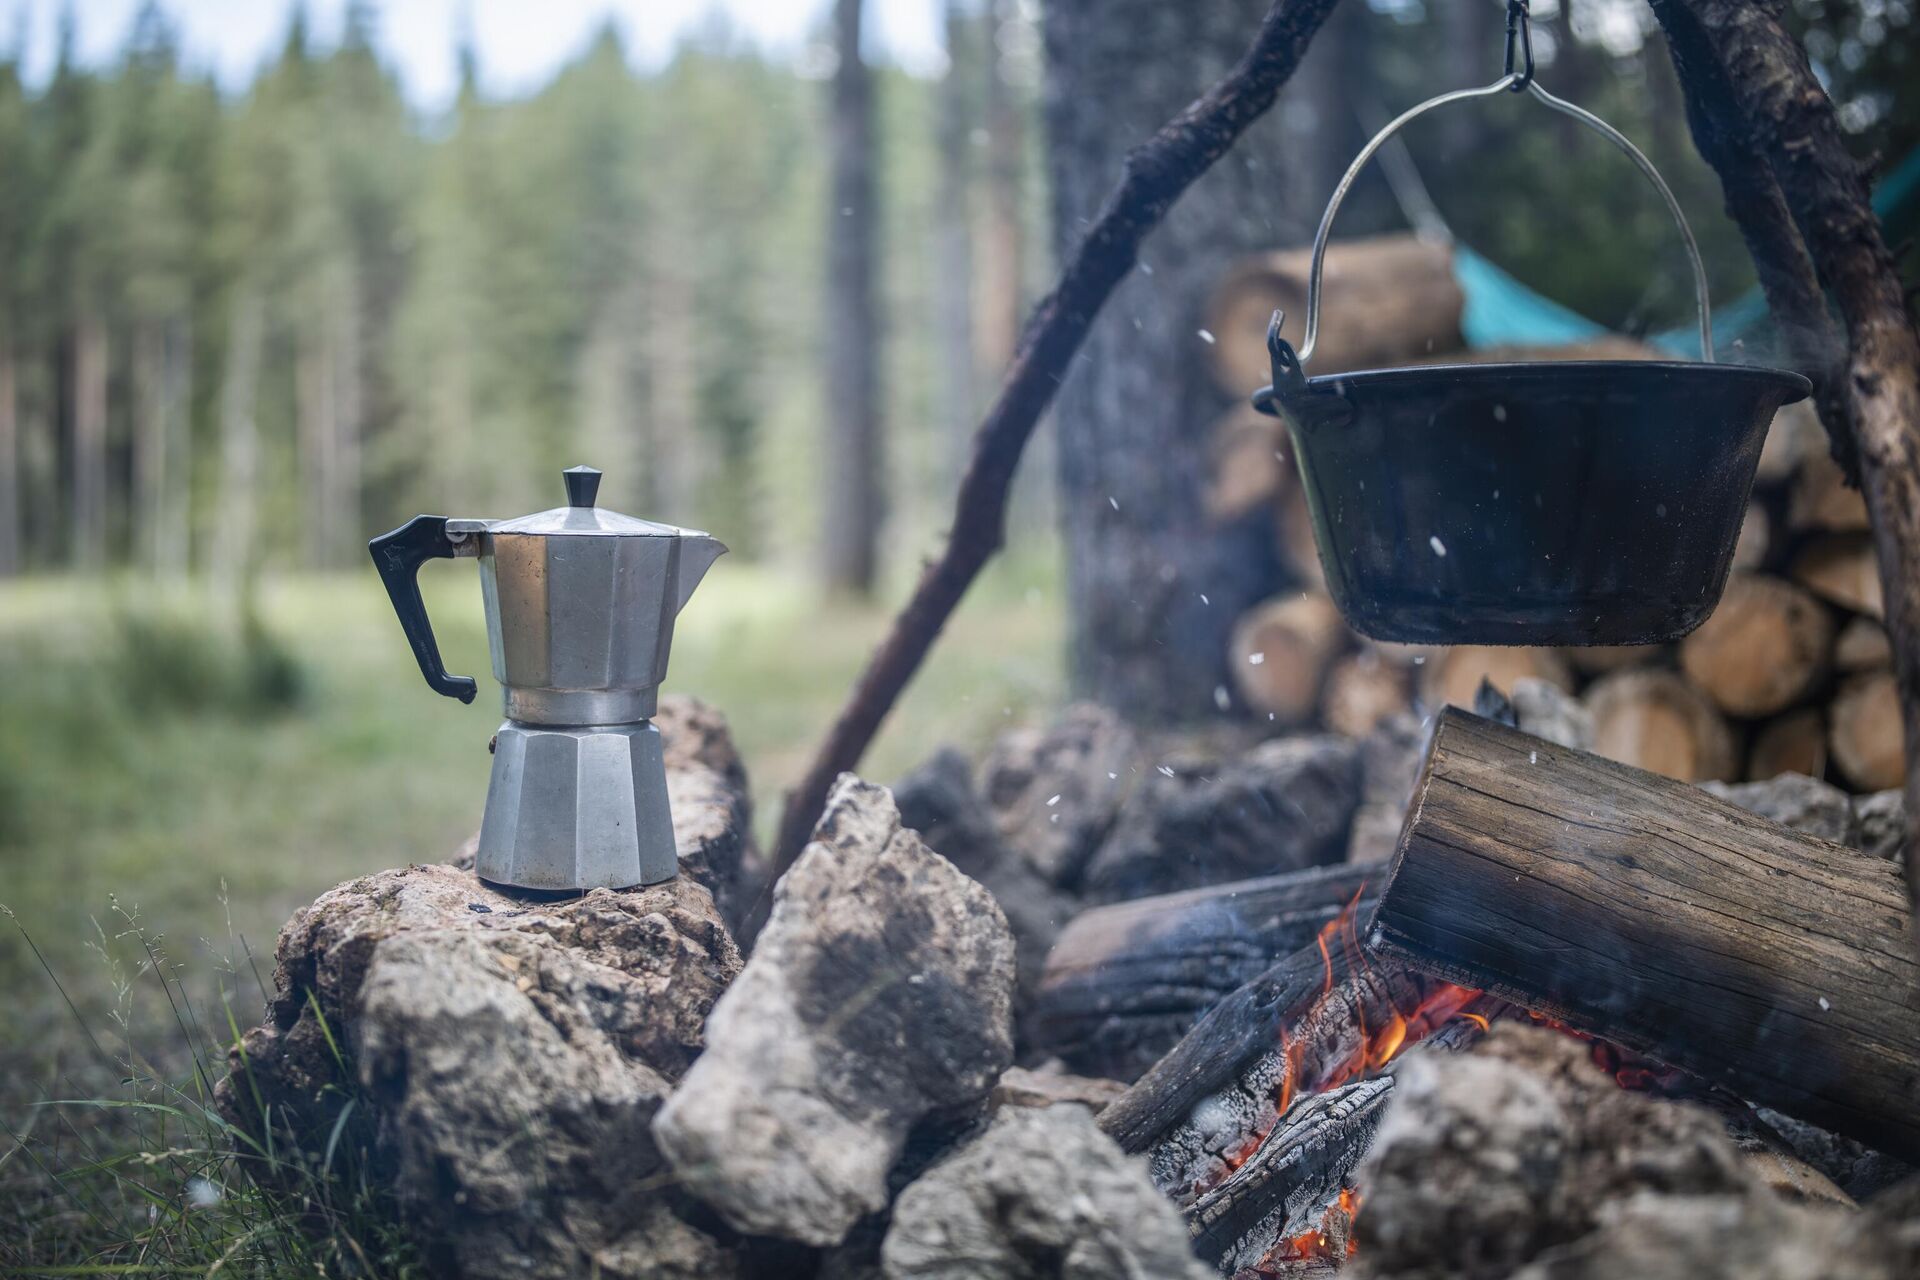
(1455, 377)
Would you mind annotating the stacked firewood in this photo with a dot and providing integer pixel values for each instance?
(1792, 673)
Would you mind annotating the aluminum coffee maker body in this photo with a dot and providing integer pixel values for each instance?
(580, 609)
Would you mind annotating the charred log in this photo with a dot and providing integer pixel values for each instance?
(1125, 982)
(1653, 915)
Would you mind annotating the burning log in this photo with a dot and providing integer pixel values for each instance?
(1125, 982)
(1763, 648)
(1654, 719)
(1655, 916)
(1389, 299)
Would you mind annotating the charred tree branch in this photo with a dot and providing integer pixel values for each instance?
(1156, 174)
(1751, 82)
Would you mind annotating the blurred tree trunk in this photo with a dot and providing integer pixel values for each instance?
(10, 514)
(953, 249)
(1003, 262)
(853, 454)
(348, 377)
(1153, 586)
(236, 520)
(313, 426)
(172, 533)
(162, 399)
(89, 513)
(672, 379)
(149, 437)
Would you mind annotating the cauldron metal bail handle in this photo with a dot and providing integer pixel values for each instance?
(1518, 36)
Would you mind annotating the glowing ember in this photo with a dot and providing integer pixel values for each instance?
(1331, 1241)
(1628, 1069)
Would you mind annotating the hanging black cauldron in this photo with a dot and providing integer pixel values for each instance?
(1554, 503)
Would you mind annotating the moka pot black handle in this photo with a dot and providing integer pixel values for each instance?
(398, 556)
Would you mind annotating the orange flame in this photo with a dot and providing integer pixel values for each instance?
(1331, 1241)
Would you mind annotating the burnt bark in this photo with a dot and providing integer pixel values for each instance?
(1153, 585)
(853, 454)
(1647, 913)
(1768, 128)
(1153, 176)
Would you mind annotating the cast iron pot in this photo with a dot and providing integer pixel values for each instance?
(1557, 503)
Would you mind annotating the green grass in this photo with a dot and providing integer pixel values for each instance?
(171, 788)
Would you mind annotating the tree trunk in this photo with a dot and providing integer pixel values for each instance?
(1004, 237)
(348, 394)
(90, 442)
(1154, 586)
(149, 437)
(234, 531)
(10, 514)
(952, 234)
(172, 525)
(313, 406)
(1764, 123)
(853, 456)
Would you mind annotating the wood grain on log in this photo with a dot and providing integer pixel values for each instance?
(1865, 732)
(1862, 646)
(1124, 982)
(1762, 649)
(1251, 459)
(1654, 719)
(1653, 915)
(1821, 498)
(1792, 743)
(1454, 676)
(1386, 301)
(1281, 652)
(1842, 568)
(1155, 175)
(1363, 689)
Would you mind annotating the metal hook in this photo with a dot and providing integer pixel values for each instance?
(1520, 32)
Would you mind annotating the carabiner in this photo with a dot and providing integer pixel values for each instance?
(1520, 32)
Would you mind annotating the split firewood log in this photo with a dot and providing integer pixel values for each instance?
(1599, 659)
(1453, 676)
(1280, 653)
(1840, 567)
(1862, 646)
(1653, 719)
(1792, 743)
(1385, 301)
(1293, 532)
(1795, 433)
(1251, 461)
(1664, 920)
(1762, 649)
(1756, 537)
(1865, 733)
(1363, 689)
(1821, 498)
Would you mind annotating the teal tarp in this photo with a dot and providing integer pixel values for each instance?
(1502, 312)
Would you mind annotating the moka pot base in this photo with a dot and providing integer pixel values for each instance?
(572, 808)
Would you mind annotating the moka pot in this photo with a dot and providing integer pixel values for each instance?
(580, 605)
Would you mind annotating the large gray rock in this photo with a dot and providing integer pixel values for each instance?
(938, 801)
(505, 1059)
(1881, 824)
(1522, 1159)
(1795, 800)
(1055, 790)
(496, 1061)
(878, 995)
(1042, 1195)
(1283, 806)
(711, 802)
